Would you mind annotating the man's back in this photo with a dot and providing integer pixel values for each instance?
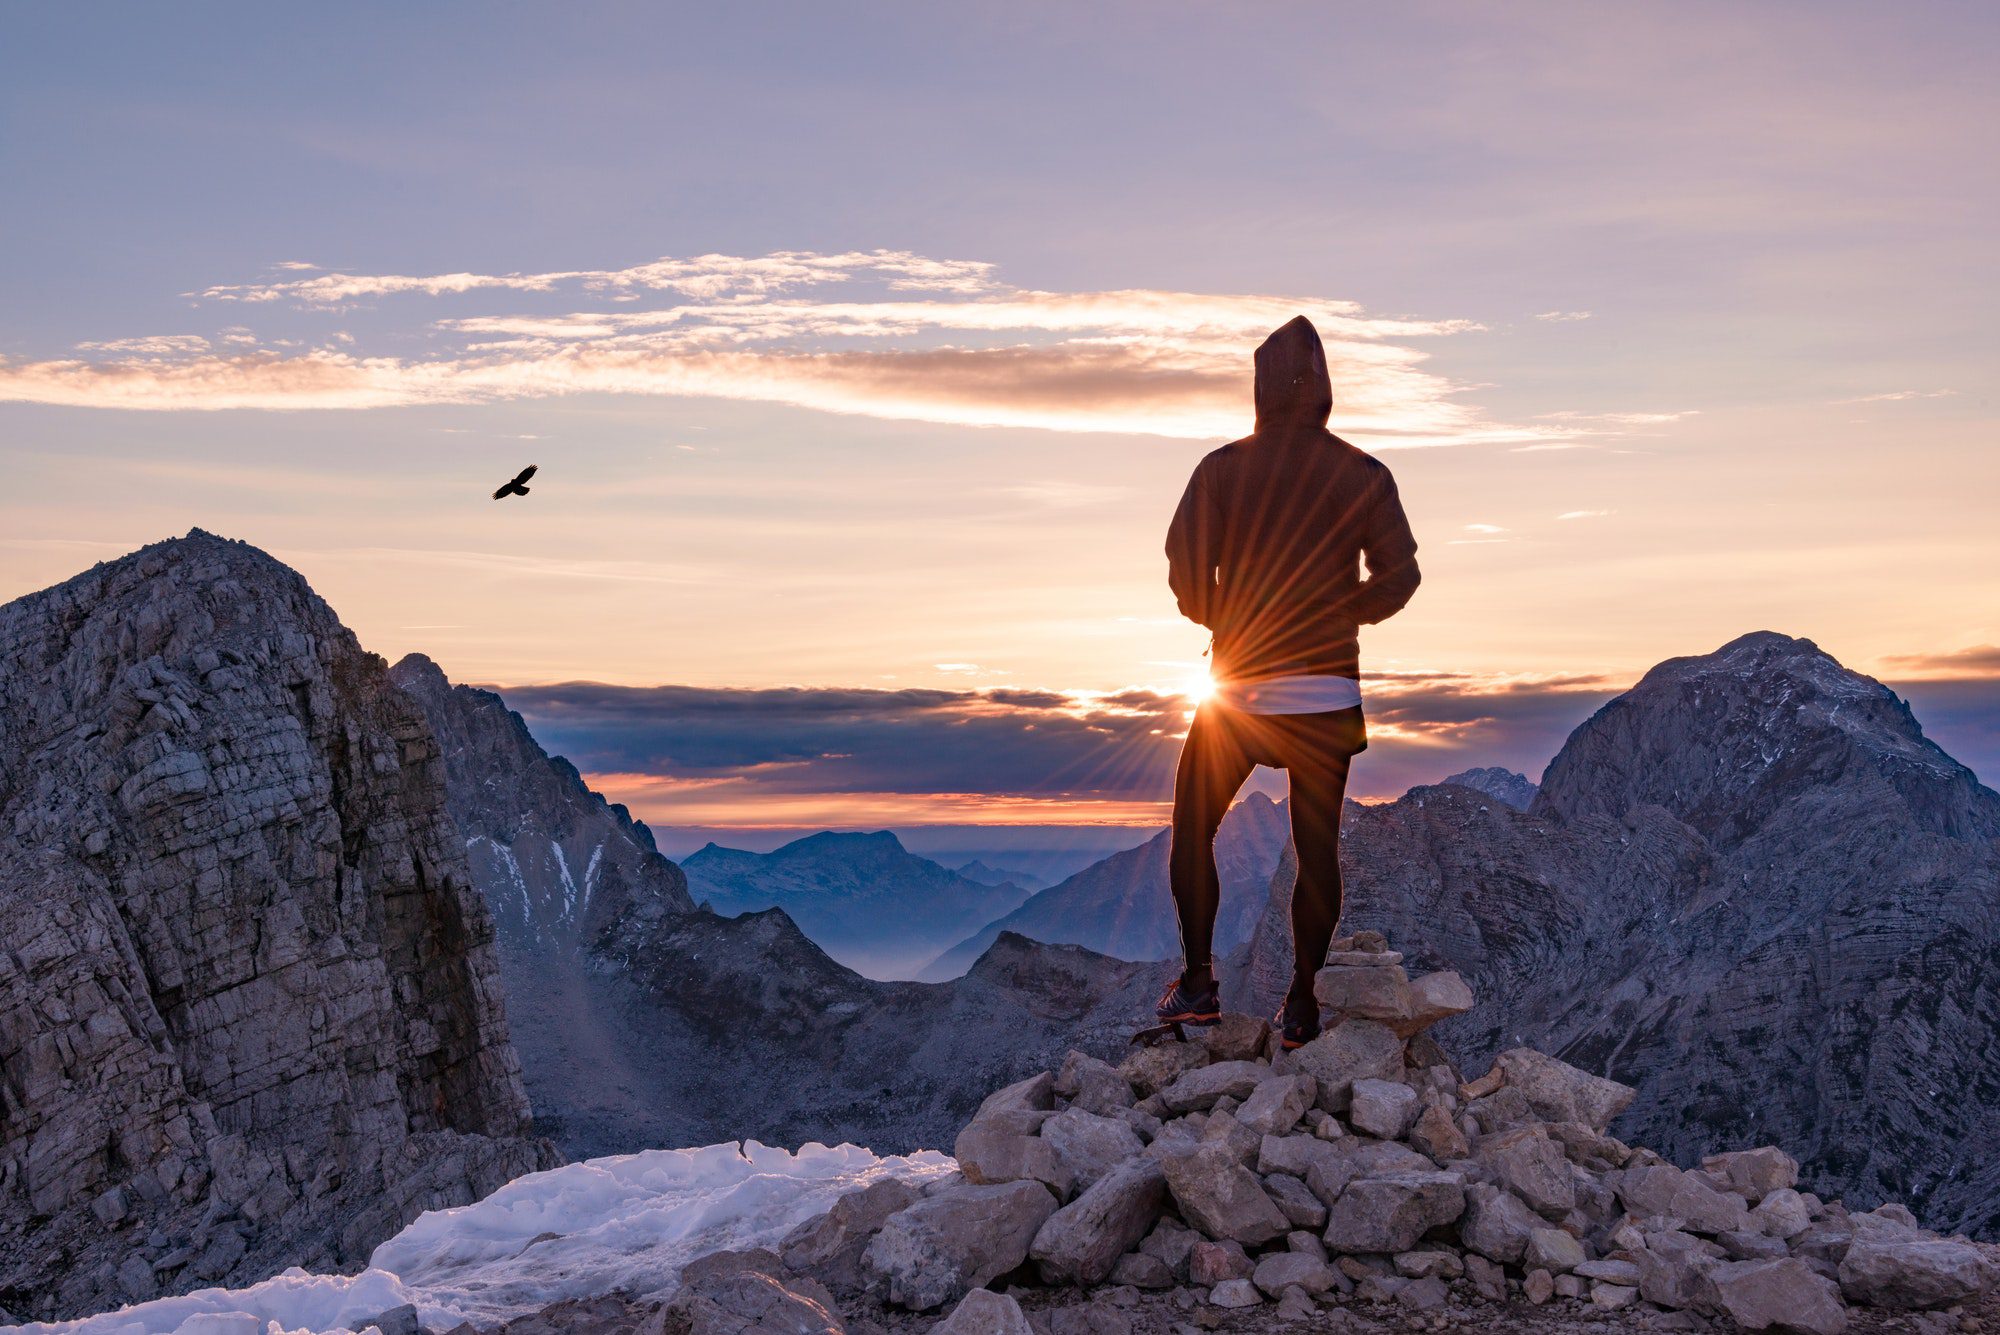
(1266, 546)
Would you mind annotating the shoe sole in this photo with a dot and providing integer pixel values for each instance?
(1293, 1045)
(1194, 1017)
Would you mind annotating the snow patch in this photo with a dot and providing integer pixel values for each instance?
(626, 1222)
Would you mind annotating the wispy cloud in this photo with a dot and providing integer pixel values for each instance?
(1585, 514)
(1898, 395)
(1562, 317)
(884, 334)
(1980, 660)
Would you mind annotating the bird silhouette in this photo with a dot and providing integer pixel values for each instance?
(518, 487)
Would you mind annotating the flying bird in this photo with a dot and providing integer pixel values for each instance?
(518, 487)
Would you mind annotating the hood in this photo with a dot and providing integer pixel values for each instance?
(1293, 389)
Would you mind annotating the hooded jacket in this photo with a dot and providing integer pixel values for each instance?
(1267, 545)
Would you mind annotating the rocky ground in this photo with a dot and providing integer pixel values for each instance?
(1356, 1184)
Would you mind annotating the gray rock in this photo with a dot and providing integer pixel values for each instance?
(1914, 1273)
(1673, 1267)
(829, 1245)
(1751, 1245)
(1533, 1167)
(1235, 1293)
(1151, 1069)
(1172, 1242)
(1094, 1086)
(1424, 1264)
(1664, 1191)
(1782, 1294)
(1382, 1108)
(1142, 1271)
(1284, 1270)
(984, 1312)
(1081, 1243)
(1389, 1214)
(749, 1302)
(1199, 1088)
(1221, 1197)
(1497, 1224)
(1351, 1050)
(395, 1321)
(1296, 1200)
(1435, 1134)
(1275, 1105)
(1555, 1251)
(1037, 1093)
(989, 1150)
(1235, 1037)
(1755, 1174)
(1328, 1176)
(1089, 1146)
(940, 1248)
(1211, 1263)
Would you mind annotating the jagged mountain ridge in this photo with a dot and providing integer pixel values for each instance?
(557, 864)
(865, 899)
(1121, 905)
(248, 1002)
(986, 874)
(1516, 790)
(1749, 887)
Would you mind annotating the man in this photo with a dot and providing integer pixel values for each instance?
(1265, 551)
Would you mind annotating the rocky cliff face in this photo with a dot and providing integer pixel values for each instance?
(557, 864)
(249, 1012)
(1123, 906)
(1749, 887)
(865, 899)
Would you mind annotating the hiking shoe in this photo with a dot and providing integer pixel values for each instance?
(1182, 1004)
(1297, 1021)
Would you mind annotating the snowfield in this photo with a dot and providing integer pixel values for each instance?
(626, 1222)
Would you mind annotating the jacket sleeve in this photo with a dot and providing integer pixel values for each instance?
(1390, 550)
(1192, 541)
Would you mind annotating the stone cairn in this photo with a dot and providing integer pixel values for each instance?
(1358, 1169)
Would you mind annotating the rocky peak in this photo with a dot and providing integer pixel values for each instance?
(1721, 740)
(1503, 785)
(247, 976)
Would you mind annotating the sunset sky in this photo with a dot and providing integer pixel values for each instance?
(865, 350)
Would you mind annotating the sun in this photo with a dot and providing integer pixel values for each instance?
(1198, 687)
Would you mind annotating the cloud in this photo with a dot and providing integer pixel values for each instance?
(1562, 317)
(1585, 514)
(779, 754)
(1980, 660)
(156, 345)
(1898, 395)
(1484, 528)
(883, 334)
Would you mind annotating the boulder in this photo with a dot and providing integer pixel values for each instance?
(1781, 1294)
(984, 1312)
(1673, 1266)
(1037, 1093)
(991, 1150)
(1496, 1223)
(1368, 992)
(1094, 1086)
(1328, 1176)
(1243, 1143)
(1389, 1214)
(1284, 1270)
(1172, 1242)
(1221, 1197)
(1352, 1050)
(1533, 1167)
(1275, 1106)
(1914, 1272)
(829, 1245)
(1235, 1037)
(1080, 1243)
(1612, 1297)
(1553, 1250)
(1211, 1263)
(1434, 997)
(1198, 1089)
(1755, 1174)
(1142, 1271)
(1559, 1092)
(1424, 1264)
(748, 1302)
(1152, 1068)
(958, 1240)
(1382, 1108)
(1294, 1155)
(1088, 1146)
(1296, 1200)
(1436, 1135)
(1235, 1293)
(1663, 1191)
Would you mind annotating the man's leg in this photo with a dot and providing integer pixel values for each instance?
(1318, 767)
(1213, 766)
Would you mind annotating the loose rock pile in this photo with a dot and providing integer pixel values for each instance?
(1361, 1168)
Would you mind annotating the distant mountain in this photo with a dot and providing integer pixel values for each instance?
(1749, 886)
(863, 898)
(1502, 784)
(979, 871)
(249, 1009)
(1123, 906)
(557, 865)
